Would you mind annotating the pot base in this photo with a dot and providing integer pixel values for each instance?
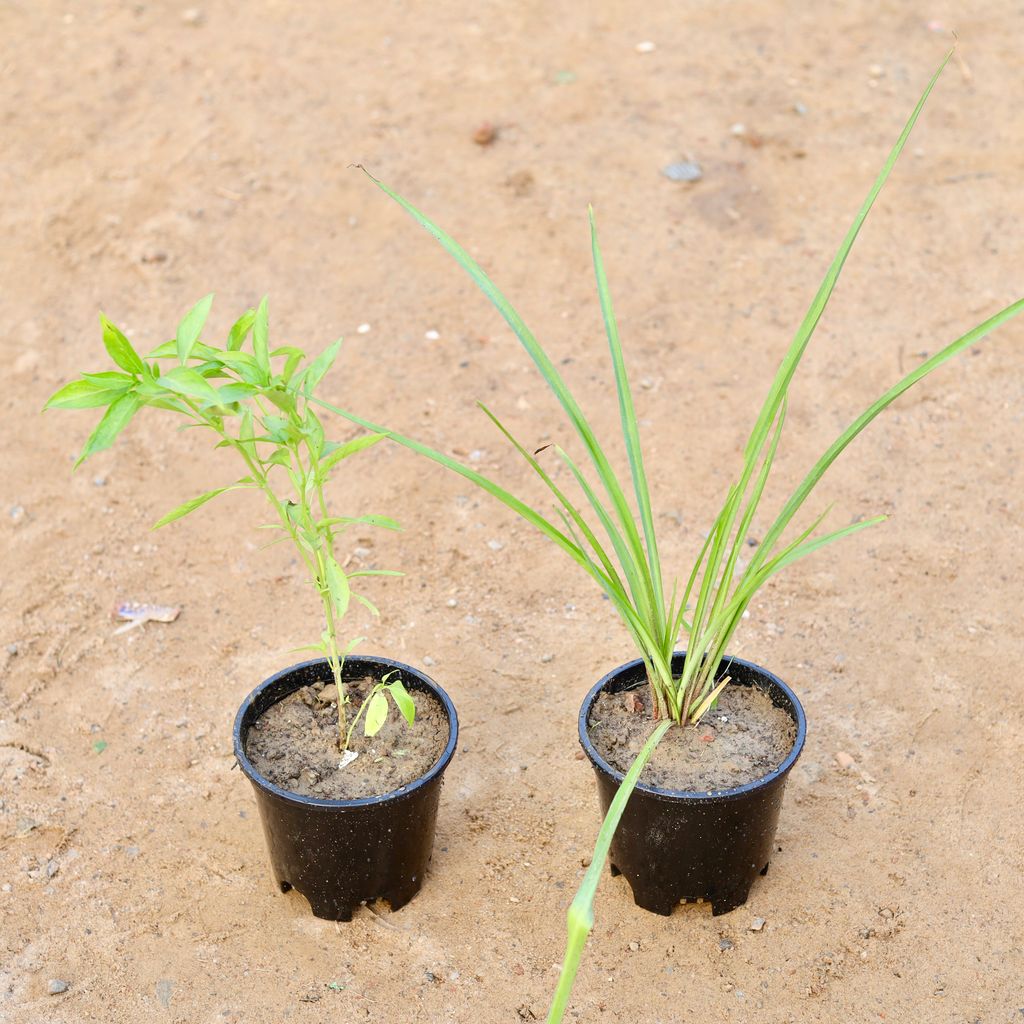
(658, 901)
(328, 907)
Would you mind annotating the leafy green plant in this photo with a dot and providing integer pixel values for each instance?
(259, 404)
(709, 605)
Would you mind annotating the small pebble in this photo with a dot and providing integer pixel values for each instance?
(685, 170)
(757, 924)
(876, 71)
(432, 335)
(55, 986)
(192, 16)
(495, 545)
(645, 47)
(485, 133)
(844, 760)
(452, 603)
(800, 108)
(428, 660)
(545, 658)
(17, 513)
(99, 481)
(12, 650)
(363, 329)
(634, 947)
(724, 944)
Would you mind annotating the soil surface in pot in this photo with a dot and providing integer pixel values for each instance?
(743, 738)
(294, 744)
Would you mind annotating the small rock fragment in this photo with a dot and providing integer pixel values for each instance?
(844, 760)
(328, 695)
(724, 943)
(485, 133)
(192, 16)
(452, 603)
(55, 986)
(547, 658)
(684, 170)
(495, 545)
(645, 47)
(363, 329)
(757, 924)
(432, 335)
(428, 660)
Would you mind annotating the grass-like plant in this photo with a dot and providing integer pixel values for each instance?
(257, 403)
(709, 604)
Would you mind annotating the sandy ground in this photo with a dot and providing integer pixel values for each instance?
(151, 154)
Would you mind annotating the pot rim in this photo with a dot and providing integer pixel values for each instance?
(243, 762)
(691, 796)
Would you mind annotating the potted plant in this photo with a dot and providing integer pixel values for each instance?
(708, 837)
(341, 828)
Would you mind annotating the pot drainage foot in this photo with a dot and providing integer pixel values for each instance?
(764, 870)
(614, 869)
(730, 901)
(399, 897)
(655, 902)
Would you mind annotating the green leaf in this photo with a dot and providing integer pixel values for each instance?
(120, 348)
(319, 367)
(115, 419)
(384, 522)
(239, 330)
(190, 506)
(260, 336)
(185, 381)
(191, 327)
(337, 584)
(374, 572)
(110, 379)
(367, 604)
(376, 714)
(83, 394)
(236, 392)
(357, 444)
(245, 366)
(402, 700)
(164, 351)
(280, 457)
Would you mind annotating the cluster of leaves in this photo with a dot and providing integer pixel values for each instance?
(258, 403)
(627, 566)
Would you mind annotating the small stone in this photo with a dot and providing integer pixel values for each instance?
(739, 128)
(757, 924)
(724, 943)
(432, 335)
(52, 867)
(192, 16)
(55, 986)
(99, 481)
(800, 108)
(634, 946)
(586, 860)
(12, 650)
(876, 71)
(485, 133)
(495, 545)
(844, 760)
(164, 988)
(17, 513)
(684, 170)
(428, 660)
(363, 329)
(547, 658)
(645, 47)
(452, 603)
(328, 695)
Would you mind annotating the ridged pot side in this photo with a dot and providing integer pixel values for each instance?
(675, 846)
(342, 853)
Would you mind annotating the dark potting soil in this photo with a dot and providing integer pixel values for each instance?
(294, 744)
(743, 738)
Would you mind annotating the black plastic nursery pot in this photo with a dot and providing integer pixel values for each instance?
(342, 853)
(674, 846)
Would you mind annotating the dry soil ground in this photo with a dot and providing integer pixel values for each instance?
(152, 153)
